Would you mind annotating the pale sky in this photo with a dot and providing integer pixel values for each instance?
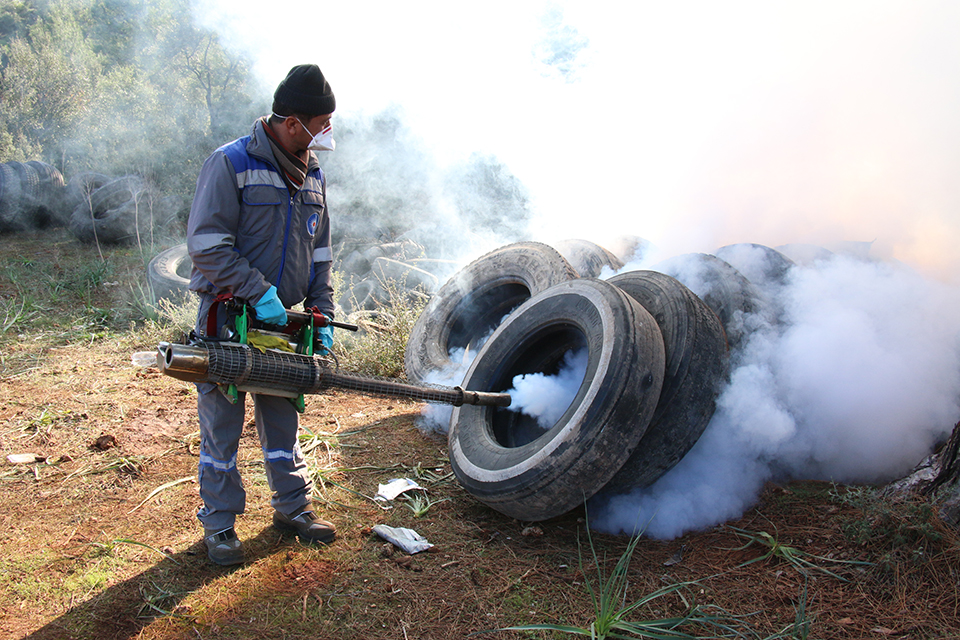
(691, 124)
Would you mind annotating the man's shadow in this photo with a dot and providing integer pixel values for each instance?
(122, 610)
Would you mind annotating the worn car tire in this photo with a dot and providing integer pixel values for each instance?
(168, 274)
(10, 218)
(731, 296)
(49, 206)
(502, 457)
(29, 194)
(587, 258)
(695, 369)
(113, 214)
(79, 189)
(470, 305)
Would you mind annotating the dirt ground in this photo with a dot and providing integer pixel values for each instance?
(101, 540)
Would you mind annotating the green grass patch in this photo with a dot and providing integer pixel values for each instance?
(893, 524)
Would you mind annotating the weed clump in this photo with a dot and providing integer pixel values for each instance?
(378, 348)
(903, 533)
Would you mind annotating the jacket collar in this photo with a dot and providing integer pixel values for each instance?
(259, 147)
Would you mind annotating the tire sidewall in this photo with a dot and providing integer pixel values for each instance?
(524, 268)
(603, 424)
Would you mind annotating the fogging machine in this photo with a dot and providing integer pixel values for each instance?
(251, 356)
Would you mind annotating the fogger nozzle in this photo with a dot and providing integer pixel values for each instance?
(183, 362)
(279, 373)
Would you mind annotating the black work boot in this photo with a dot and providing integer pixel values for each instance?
(307, 525)
(223, 547)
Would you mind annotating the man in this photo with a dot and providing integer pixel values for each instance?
(259, 229)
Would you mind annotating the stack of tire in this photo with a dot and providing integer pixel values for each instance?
(658, 355)
(31, 196)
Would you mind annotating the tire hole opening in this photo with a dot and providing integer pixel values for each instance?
(479, 313)
(544, 377)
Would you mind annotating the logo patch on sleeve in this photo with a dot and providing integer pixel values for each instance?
(312, 222)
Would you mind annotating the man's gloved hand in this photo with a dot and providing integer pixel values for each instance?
(269, 308)
(326, 337)
(325, 334)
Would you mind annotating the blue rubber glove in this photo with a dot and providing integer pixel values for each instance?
(326, 337)
(269, 308)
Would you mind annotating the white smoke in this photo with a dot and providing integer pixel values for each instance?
(856, 385)
(694, 124)
(547, 397)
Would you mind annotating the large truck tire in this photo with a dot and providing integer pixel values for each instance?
(731, 296)
(470, 305)
(761, 265)
(29, 195)
(49, 211)
(588, 258)
(168, 274)
(79, 189)
(504, 458)
(766, 268)
(695, 370)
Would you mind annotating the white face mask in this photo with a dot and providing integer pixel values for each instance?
(323, 141)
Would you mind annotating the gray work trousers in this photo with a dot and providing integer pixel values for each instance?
(221, 424)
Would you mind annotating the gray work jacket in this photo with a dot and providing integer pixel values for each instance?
(246, 232)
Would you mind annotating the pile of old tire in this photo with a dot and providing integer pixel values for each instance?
(658, 355)
(375, 272)
(471, 304)
(656, 360)
(115, 212)
(31, 196)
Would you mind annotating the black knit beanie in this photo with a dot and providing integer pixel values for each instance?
(305, 91)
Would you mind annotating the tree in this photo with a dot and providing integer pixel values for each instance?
(49, 80)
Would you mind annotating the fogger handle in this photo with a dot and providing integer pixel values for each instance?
(319, 320)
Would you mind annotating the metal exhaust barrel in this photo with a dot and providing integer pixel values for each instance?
(183, 361)
(288, 375)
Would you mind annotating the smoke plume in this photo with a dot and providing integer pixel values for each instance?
(856, 384)
(547, 397)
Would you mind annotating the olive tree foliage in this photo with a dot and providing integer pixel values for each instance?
(118, 87)
(49, 80)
